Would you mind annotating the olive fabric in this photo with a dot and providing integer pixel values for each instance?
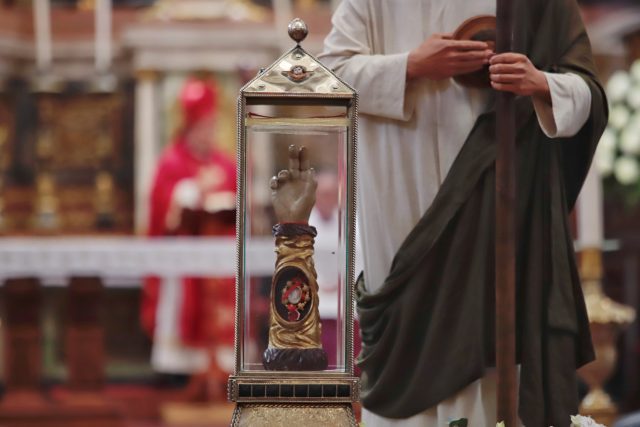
(429, 331)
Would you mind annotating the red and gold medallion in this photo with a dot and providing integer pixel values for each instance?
(295, 296)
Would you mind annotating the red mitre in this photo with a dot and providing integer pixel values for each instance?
(198, 99)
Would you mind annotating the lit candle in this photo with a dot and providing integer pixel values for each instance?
(42, 24)
(103, 35)
(590, 212)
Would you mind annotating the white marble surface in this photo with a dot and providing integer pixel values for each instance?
(127, 259)
(123, 261)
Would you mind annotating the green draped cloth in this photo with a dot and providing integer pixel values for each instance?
(429, 331)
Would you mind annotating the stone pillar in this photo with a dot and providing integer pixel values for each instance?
(146, 141)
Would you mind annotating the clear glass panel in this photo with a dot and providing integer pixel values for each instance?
(267, 152)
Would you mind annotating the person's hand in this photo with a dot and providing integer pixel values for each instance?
(441, 57)
(514, 72)
(293, 190)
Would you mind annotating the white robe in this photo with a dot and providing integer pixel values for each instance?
(410, 134)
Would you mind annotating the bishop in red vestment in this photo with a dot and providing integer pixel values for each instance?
(194, 182)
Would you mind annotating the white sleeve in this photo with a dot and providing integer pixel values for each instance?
(570, 105)
(379, 79)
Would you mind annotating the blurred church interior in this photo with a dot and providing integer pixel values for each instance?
(90, 96)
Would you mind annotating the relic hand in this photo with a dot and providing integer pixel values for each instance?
(514, 72)
(441, 57)
(293, 190)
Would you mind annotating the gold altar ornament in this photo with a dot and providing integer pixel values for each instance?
(607, 319)
(45, 217)
(296, 123)
(104, 199)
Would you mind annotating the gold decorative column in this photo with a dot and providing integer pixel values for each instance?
(46, 213)
(607, 318)
(45, 217)
(104, 201)
(104, 180)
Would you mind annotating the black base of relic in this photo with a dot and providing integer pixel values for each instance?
(294, 359)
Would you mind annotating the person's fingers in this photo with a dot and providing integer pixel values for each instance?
(444, 36)
(294, 162)
(273, 183)
(472, 55)
(283, 176)
(505, 87)
(517, 68)
(507, 58)
(467, 67)
(304, 159)
(467, 45)
(505, 78)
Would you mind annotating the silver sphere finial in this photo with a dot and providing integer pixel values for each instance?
(298, 30)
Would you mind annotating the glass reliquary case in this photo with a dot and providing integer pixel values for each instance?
(295, 232)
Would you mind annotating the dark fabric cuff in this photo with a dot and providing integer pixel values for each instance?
(294, 229)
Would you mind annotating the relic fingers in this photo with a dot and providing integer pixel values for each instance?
(273, 183)
(304, 159)
(294, 161)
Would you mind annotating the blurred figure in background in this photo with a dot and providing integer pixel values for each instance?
(191, 319)
(326, 219)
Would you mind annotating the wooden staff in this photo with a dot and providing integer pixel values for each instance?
(505, 232)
